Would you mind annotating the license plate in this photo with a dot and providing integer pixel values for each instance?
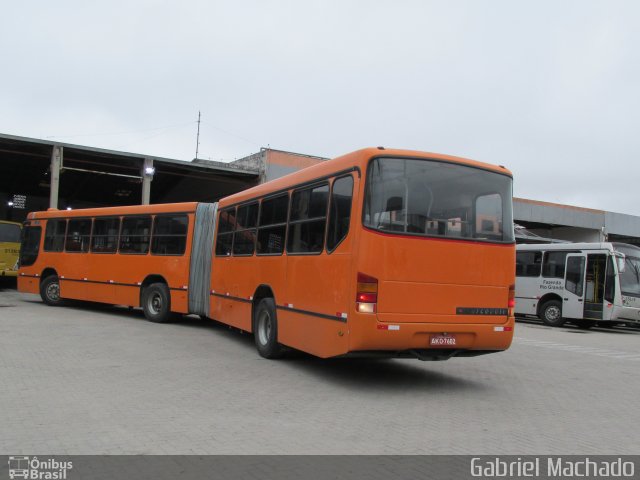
(442, 341)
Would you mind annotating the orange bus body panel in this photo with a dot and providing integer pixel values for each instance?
(113, 278)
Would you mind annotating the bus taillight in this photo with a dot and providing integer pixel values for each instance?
(511, 303)
(366, 293)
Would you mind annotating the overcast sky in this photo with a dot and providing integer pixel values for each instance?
(550, 89)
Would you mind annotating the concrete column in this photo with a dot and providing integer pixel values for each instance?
(56, 165)
(148, 171)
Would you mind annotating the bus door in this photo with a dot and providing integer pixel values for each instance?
(574, 280)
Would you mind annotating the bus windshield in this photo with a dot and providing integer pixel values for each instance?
(441, 199)
(630, 278)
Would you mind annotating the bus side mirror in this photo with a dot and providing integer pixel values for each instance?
(621, 263)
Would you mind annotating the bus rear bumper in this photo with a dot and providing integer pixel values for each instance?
(428, 354)
(415, 339)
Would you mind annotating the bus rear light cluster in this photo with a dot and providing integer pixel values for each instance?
(511, 302)
(366, 294)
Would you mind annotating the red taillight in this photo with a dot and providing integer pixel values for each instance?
(366, 294)
(511, 302)
(367, 297)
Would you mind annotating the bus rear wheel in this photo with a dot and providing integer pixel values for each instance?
(265, 329)
(156, 303)
(50, 291)
(551, 313)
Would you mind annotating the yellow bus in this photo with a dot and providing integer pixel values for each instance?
(9, 248)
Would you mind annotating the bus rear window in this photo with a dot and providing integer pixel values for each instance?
(440, 199)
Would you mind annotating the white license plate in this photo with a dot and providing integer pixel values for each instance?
(442, 341)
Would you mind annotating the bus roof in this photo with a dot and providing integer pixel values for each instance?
(357, 159)
(111, 211)
(570, 246)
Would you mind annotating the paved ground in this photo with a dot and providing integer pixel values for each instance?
(90, 379)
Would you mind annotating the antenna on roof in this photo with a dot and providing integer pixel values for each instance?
(198, 136)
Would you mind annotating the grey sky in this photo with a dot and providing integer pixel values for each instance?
(550, 89)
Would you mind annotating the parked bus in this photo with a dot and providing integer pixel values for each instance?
(379, 252)
(584, 283)
(9, 248)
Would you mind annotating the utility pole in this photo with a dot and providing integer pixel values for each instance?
(198, 136)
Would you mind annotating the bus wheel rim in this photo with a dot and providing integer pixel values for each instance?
(264, 327)
(155, 303)
(552, 313)
(53, 291)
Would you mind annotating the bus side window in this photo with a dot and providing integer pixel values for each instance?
(54, 235)
(224, 236)
(528, 264)
(244, 237)
(134, 238)
(78, 235)
(340, 211)
(272, 227)
(553, 264)
(308, 220)
(104, 238)
(169, 234)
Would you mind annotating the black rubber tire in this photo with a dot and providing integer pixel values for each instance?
(584, 324)
(551, 313)
(265, 330)
(156, 303)
(50, 291)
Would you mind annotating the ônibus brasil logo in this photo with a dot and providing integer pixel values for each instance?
(34, 469)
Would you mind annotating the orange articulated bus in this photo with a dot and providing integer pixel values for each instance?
(378, 252)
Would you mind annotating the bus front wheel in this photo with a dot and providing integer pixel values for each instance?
(551, 313)
(50, 291)
(265, 329)
(156, 303)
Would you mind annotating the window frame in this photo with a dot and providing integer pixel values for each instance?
(353, 184)
(129, 217)
(237, 230)
(120, 221)
(227, 233)
(152, 235)
(64, 236)
(310, 186)
(284, 224)
(534, 252)
(90, 235)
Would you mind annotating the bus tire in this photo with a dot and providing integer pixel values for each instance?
(265, 330)
(551, 313)
(50, 291)
(156, 303)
